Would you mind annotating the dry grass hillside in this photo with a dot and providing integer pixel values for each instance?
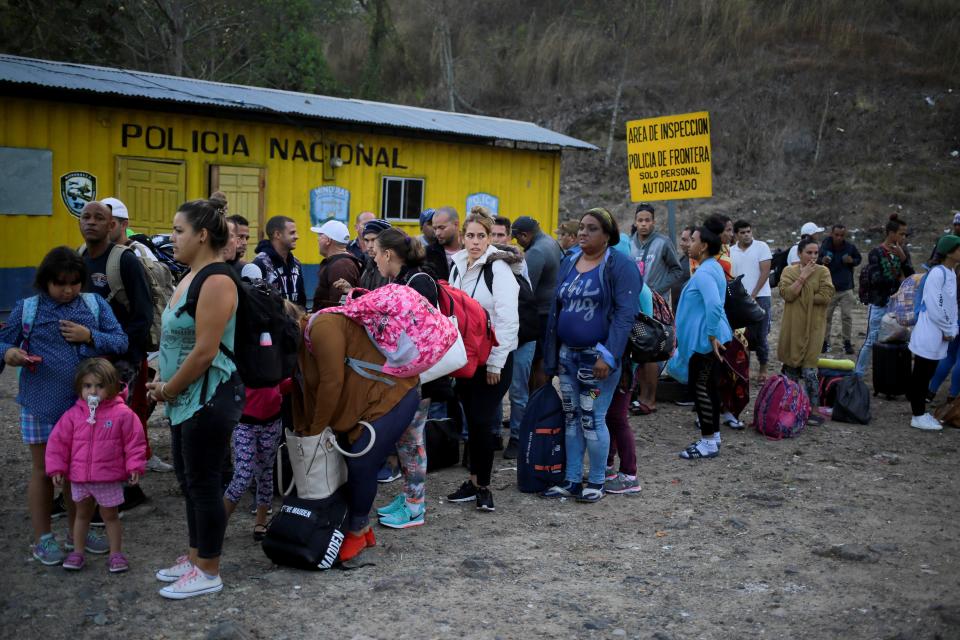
(821, 109)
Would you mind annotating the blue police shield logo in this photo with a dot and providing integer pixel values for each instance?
(329, 203)
(78, 188)
(487, 200)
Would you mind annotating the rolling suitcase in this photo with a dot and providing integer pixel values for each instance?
(891, 368)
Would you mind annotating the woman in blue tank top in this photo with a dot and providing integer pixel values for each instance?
(202, 391)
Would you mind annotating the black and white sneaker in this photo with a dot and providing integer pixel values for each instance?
(485, 500)
(466, 493)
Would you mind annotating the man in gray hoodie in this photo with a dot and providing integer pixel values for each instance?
(661, 265)
(658, 262)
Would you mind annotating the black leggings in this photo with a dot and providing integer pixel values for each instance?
(480, 403)
(362, 471)
(923, 371)
(703, 388)
(199, 445)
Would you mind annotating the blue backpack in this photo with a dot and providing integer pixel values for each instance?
(541, 457)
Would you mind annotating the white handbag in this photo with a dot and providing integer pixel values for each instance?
(455, 358)
(318, 464)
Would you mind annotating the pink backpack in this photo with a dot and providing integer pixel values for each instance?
(782, 408)
(411, 333)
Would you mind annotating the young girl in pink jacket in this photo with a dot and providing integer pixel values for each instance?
(97, 445)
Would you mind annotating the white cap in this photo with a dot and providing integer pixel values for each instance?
(810, 228)
(251, 272)
(335, 230)
(119, 209)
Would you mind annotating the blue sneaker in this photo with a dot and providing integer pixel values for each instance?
(388, 473)
(403, 518)
(96, 544)
(565, 490)
(48, 551)
(394, 506)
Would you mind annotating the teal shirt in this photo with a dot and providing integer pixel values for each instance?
(177, 340)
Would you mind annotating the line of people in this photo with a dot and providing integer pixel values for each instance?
(585, 291)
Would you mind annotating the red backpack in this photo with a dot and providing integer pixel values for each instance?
(782, 408)
(474, 324)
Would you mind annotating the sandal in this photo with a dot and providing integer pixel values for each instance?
(734, 424)
(638, 408)
(259, 532)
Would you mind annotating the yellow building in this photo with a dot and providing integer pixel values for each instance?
(74, 133)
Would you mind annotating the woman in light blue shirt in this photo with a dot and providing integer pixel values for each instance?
(702, 330)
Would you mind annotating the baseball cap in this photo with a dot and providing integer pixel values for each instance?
(524, 224)
(568, 227)
(426, 216)
(335, 230)
(810, 228)
(118, 208)
(956, 217)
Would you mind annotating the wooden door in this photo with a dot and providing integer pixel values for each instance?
(245, 191)
(152, 191)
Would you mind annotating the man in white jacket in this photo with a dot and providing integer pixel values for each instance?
(936, 328)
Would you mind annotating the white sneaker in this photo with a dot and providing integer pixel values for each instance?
(194, 583)
(926, 422)
(158, 465)
(177, 571)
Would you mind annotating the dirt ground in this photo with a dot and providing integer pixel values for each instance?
(845, 532)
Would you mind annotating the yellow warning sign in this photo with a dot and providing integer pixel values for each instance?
(668, 158)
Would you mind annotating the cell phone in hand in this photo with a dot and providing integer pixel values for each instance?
(32, 362)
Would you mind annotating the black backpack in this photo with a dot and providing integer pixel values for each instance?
(852, 403)
(777, 264)
(266, 339)
(526, 306)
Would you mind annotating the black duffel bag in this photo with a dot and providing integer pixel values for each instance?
(741, 309)
(651, 340)
(307, 534)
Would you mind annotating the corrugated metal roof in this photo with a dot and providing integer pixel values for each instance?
(152, 86)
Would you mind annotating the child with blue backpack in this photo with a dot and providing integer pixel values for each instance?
(48, 335)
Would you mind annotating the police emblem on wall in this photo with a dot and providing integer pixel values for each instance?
(78, 188)
(329, 203)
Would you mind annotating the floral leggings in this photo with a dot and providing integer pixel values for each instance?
(254, 452)
(412, 452)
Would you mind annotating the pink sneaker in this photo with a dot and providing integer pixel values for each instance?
(74, 561)
(117, 563)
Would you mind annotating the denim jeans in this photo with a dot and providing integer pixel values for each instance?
(874, 316)
(362, 471)
(951, 362)
(585, 403)
(519, 389)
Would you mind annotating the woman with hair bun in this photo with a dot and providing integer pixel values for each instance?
(887, 266)
(398, 258)
(201, 388)
(483, 393)
(702, 330)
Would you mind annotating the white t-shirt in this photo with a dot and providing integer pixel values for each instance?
(746, 262)
(793, 256)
